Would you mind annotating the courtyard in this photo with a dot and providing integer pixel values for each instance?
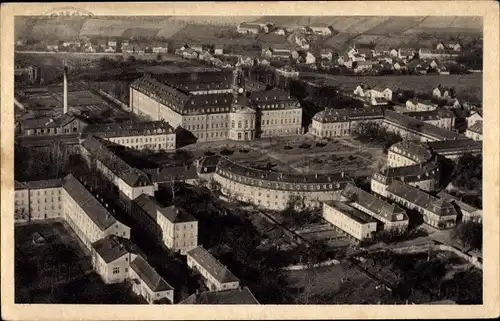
(302, 154)
(50, 262)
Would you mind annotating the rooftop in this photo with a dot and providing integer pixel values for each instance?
(329, 115)
(420, 126)
(465, 144)
(464, 206)
(88, 203)
(148, 204)
(131, 176)
(234, 296)
(416, 151)
(253, 176)
(431, 114)
(176, 214)
(19, 186)
(390, 212)
(416, 196)
(211, 265)
(130, 128)
(350, 211)
(477, 127)
(421, 170)
(153, 280)
(113, 247)
(42, 184)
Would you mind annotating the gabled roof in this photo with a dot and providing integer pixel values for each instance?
(477, 127)
(19, 186)
(46, 183)
(211, 265)
(132, 176)
(109, 248)
(153, 280)
(234, 296)
(422, 199)
(35, 123)
(176, 214)
(390, 212)
(88, 203)
(463, 206)
(130, 128)
(148, 204)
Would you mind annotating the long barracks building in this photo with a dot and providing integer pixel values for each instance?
(215, 106)
(274, 190)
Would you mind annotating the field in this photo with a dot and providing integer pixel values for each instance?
(336, 284)
(211, 34)
(59, 270)
(470, 84)
(167, 27)
(80, 101)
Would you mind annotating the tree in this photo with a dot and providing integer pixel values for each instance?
(468, 173)
(374, 132)
(469, 234)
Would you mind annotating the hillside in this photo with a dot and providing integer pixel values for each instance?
(363, 28)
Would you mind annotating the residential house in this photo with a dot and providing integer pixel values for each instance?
(360, 66)
(321, 29)
(475, 131)
(420, 105)
(189, 54)
(380, 92)
(309, 59)
(394, 52)
(406, 53)
(326, 54)
(246, 28)
(450, 45)
(218, 50)
(112, 43)
(159, 48)
(217, 277)
(205, 55)
(475, 116)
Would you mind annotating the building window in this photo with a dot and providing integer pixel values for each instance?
(116, 270)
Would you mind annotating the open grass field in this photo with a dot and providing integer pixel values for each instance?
(336, 284)
(470, 83)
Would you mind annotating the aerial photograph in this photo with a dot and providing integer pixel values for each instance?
(248, 159)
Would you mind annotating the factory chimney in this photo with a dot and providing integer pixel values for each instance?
(65, 94)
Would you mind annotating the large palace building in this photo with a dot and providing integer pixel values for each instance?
(269, 189)
(214, 105)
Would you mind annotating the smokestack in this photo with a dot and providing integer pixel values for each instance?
(65, 94)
